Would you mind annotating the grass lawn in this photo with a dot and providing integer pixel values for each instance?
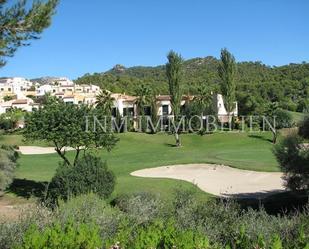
(137, 151)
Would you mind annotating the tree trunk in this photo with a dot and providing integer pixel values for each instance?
(274, 137)
(178, 144)
(76, 156)
(61, 154)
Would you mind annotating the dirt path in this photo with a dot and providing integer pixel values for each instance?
(220, 180)
(11, 207)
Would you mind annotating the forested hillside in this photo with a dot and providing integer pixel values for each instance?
(258, 85)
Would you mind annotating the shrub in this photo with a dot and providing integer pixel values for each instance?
(70, 236)
(304, 128)
(293, 157)
(8, 158)
(141, 207)
(90, 174)
(162, 234)
(91, 209)
(13, 231)
(283, 119)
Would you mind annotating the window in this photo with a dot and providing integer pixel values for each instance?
(129, 111)
(9, 89)
(165, 110)
(114, 111)
(147, 110)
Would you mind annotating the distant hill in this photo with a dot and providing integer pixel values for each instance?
(45, 80)
(257, 83)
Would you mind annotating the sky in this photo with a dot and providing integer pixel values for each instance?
(94, 35)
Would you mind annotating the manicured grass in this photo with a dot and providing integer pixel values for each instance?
(137, 151)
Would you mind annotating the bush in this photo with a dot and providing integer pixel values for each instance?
(90, 174)
(283, 119)
(192, 223)
(161, 234)
(80, 236)
(13, 231)
(8, 158)
(142, 208)
(304, 128)
(91, 209)
(293, 157)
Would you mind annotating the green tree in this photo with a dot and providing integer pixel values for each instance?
(10, 119)
(20, 24)
(293, 157)
(65, 126)
(154, 112)
(7, 98)
(204, 99)
(174, 75)
(227, 73)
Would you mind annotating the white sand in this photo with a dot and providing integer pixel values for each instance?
(35, 150)
(220, 180)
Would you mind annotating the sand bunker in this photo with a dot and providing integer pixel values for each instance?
(220, 180)
(36, 150)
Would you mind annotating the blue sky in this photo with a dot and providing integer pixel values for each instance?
(93, 36)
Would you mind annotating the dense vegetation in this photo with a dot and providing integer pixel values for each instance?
(145, 221)
(257, 85)
(8, 162)
(293, 156)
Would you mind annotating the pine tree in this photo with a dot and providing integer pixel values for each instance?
(227, 72)
(20, 24)
(174, 75)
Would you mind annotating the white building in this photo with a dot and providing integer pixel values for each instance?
(14, 86)
(25, 104)
(220, 109)
(44, 89)
(63, 81)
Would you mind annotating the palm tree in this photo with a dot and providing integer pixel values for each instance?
(143, 93)
(105, 101)
(174, 76)
(204, 99)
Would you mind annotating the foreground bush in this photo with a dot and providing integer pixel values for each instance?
(90, 174)
(293, 158)
(161, 235)
(81, 236)
(186, 223)
(8, 158)
(142, 208)
(91, 209)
